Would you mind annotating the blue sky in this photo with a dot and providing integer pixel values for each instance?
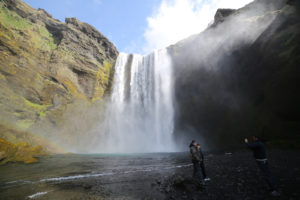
(139, 26)
(121, 21)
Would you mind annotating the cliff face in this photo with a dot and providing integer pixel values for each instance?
(240, 77)
(49, 68)
(237, 78)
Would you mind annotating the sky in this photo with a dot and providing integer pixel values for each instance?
(140, 26)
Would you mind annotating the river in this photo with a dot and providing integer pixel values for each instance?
(90, 176)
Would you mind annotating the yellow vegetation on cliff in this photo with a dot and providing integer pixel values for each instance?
(48, 71)
(20, 152)
(22, 146)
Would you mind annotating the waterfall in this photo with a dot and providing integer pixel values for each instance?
(140, 115)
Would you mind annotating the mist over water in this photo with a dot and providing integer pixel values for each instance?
(140, 114)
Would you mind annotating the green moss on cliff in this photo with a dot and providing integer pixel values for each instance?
(36, 34)
(35, 105)
(43, 39)
(51, 41)
(45, 67)
(25, 124)
(11, 20)
(106, 72)
(103, 81)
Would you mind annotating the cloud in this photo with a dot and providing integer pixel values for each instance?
(175, 20)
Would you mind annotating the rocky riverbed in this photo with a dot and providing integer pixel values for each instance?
(149, 176)
(236, 176)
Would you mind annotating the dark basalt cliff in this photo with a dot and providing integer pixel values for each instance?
(241, 77)
(49, 69)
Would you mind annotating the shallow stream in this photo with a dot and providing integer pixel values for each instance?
(84, 176)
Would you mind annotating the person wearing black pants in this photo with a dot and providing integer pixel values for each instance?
(196, 159)
(259, 152)
(202, 166)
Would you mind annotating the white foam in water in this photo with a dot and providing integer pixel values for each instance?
(140, 116)
(81, 176)
(37, 195)
(65, 178)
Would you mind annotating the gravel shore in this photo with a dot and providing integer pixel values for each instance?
(234, 176)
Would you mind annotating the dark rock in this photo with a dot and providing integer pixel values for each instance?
(87, 187)
(168, 189)
(45, 12)
(93, 33)
(221, 15)
(228, 89)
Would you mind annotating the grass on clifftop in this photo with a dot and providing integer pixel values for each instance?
(39, 36)
(12, 20)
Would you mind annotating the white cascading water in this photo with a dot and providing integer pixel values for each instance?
(140, 116)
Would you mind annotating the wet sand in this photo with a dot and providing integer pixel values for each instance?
(149, 176)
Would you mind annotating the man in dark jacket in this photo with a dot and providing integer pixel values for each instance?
(259, 152)
(202, 163)
(196, 159)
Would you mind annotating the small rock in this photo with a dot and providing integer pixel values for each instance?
(87, 187)
(168, 189)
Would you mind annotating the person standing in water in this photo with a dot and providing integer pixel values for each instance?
(259, 152)
(202, 166)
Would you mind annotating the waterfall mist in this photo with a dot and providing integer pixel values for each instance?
(139, 116)
(199, 88)
(220, 72)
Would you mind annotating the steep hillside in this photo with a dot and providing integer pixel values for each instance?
(240, 77)
(49, 71)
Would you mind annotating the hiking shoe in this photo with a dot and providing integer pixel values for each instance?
(207, 179)
(275, 193)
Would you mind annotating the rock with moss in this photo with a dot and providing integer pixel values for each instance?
(47, 67)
